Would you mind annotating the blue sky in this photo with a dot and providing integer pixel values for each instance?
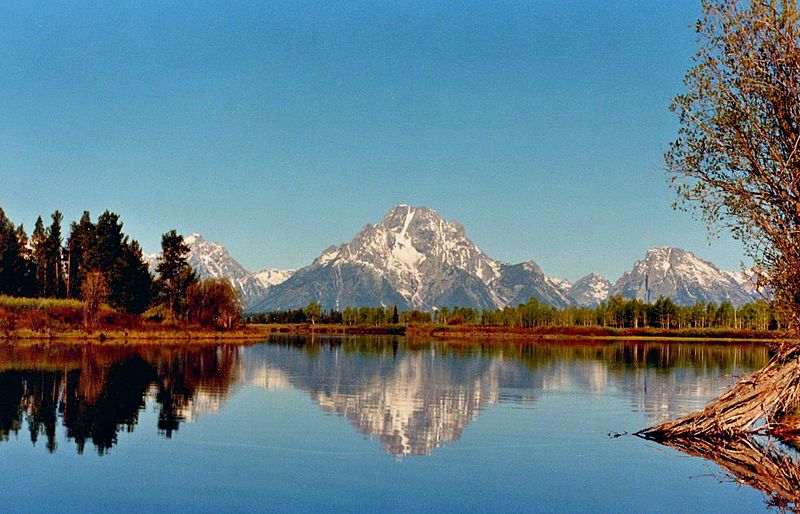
(279, 128)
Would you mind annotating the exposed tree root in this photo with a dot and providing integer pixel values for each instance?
(761, 402)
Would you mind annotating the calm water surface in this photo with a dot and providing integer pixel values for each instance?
(361, 424)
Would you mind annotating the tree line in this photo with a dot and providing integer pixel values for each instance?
(616, 312)
(98, 263)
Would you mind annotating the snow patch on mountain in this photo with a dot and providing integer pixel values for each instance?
(212, 260)
(683, 277)
(589, 291)
(273, 276)
(152, 260)
(415, 259)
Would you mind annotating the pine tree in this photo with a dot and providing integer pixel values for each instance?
(105, 248)
(81, 249)
(39, 241)
(9, 256)
(54, 264)
(175, 273)
(134, 280)
(26, 268)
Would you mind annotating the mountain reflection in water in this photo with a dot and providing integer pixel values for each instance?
(411, 397)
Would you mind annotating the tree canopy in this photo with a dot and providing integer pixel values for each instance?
(736, 162)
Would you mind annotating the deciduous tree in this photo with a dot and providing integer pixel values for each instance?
(736, 164)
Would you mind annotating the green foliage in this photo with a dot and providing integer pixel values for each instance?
(313, 312)
(54, 273)
(104, 248)
(45, 269)
(81, 249)
(616, 312)
(19, 303)
(16, 275)
(736, 163)
(175, 273)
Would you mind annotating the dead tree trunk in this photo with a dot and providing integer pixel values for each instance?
(763, 402)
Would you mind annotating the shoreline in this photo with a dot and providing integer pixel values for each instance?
(255, 333)
(506, 334)
(120, 336)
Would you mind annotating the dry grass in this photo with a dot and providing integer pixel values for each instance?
(19, 304)
(47, 319)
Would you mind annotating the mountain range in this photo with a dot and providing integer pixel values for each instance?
(416, 260)
(212, 260)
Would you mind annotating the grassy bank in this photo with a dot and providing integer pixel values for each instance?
(47, 319)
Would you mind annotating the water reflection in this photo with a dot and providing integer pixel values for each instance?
(765, 464)
(415, 397)
(412, 397)
(97, 392)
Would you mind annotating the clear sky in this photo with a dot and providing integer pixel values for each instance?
(280, 128)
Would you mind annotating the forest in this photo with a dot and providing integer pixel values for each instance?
(98, 264)
(617, 312)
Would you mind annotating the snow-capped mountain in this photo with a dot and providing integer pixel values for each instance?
(413, 259)
(683, 277)
(273, 276)
(212, 260)
(589, 291)
(746, 279)
(517, 283)
(416, 260)
(151, 259)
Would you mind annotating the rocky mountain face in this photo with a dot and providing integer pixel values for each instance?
(273, 276)
(416, 260)
(212, 260)
(589, 291)
(517, 283)
(683, 277)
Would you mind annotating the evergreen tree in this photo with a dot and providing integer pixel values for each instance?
(10, 259)
(55, 264)
(134, 281)
(39, 242)
(81, 252)
(175, 273)
(105, 248)
(27, 269)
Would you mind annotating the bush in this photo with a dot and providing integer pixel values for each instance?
(213, 303)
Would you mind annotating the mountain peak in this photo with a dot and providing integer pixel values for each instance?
(193, 238)
(589, 291)
(680, 275)
(400, 217)
(212, 260)
(415, 259)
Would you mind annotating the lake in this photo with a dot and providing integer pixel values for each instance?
(362, 424)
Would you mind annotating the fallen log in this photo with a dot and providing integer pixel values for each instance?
(763, 402)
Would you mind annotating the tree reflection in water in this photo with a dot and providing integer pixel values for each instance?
(762, 463)
(411, 395)
(97, 392)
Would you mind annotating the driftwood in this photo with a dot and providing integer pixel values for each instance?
(764, 402)
(759, 462)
